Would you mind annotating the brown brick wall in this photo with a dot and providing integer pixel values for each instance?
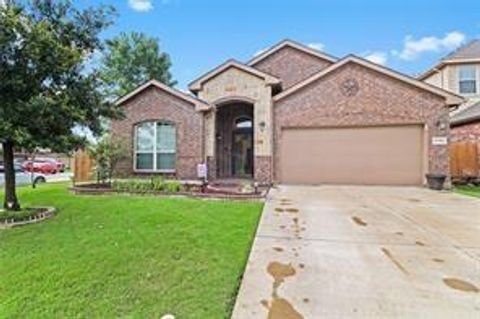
(380, 100)
(291, 65)
(466, 132)
(154, 104)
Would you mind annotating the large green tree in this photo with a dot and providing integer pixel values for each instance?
(132, 59)
(47, 87)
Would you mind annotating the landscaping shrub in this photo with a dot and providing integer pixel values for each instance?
(172, 186)
(157, 184)
(142, 185)
(17, 216)
(107, 153)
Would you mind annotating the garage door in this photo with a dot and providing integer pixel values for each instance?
(390, 155)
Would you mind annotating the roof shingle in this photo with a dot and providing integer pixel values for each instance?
(471, 50)
(470, 114)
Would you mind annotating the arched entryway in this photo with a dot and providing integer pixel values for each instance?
(234, 140)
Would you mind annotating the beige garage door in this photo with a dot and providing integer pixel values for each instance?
(390, 155)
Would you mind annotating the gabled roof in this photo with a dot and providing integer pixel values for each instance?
(292, 44)
(467, 53)
(451, 99)
(197, 84)
(199, 104)
(468, 115)
(471, 50)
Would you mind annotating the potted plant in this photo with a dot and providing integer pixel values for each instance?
(436, 181)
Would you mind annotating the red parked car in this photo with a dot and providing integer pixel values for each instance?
(40, 166)
(59, 164)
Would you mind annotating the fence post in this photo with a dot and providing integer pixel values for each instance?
(83, 166)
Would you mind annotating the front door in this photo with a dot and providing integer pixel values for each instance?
(242, 153)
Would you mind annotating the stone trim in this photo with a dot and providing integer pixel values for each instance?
(263, 169)
(49, 212)
(197, 84)
(211, 167)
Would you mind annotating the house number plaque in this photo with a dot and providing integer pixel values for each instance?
(439, 140)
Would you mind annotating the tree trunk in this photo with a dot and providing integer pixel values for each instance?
(10, 200)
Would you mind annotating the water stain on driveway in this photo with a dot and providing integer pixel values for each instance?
(419, 243)
(460, 284)
(394, 260)
(264, 303)
(296, 227)
(280, 308)
(292, 210)
(357, 220)
(279, 272)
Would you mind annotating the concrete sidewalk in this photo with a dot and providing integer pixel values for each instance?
(363, 252)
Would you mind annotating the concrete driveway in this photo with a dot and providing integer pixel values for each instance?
(363, 252)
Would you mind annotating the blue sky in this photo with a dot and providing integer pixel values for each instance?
(407, 35)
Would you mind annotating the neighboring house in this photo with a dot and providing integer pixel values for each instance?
(291, 115)
(459, 72)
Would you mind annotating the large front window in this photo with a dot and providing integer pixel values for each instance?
(155, 147)
(467, 79)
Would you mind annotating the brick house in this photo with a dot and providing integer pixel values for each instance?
(293, 115)
(459, 72)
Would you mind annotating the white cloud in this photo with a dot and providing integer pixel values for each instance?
(377, 57)
(141, 5)
(317, 46)
(414, 48)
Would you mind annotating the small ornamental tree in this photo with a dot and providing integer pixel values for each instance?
(46, 88)
(107, 153)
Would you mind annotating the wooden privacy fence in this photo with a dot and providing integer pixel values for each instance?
(82, 167)
(465, 159)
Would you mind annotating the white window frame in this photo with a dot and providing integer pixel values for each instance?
(155, 151)
(476, 78)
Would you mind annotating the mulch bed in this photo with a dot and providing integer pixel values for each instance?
(42, 214)
(212, 193)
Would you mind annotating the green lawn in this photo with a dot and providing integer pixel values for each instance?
(125, 256)
(468, 190)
